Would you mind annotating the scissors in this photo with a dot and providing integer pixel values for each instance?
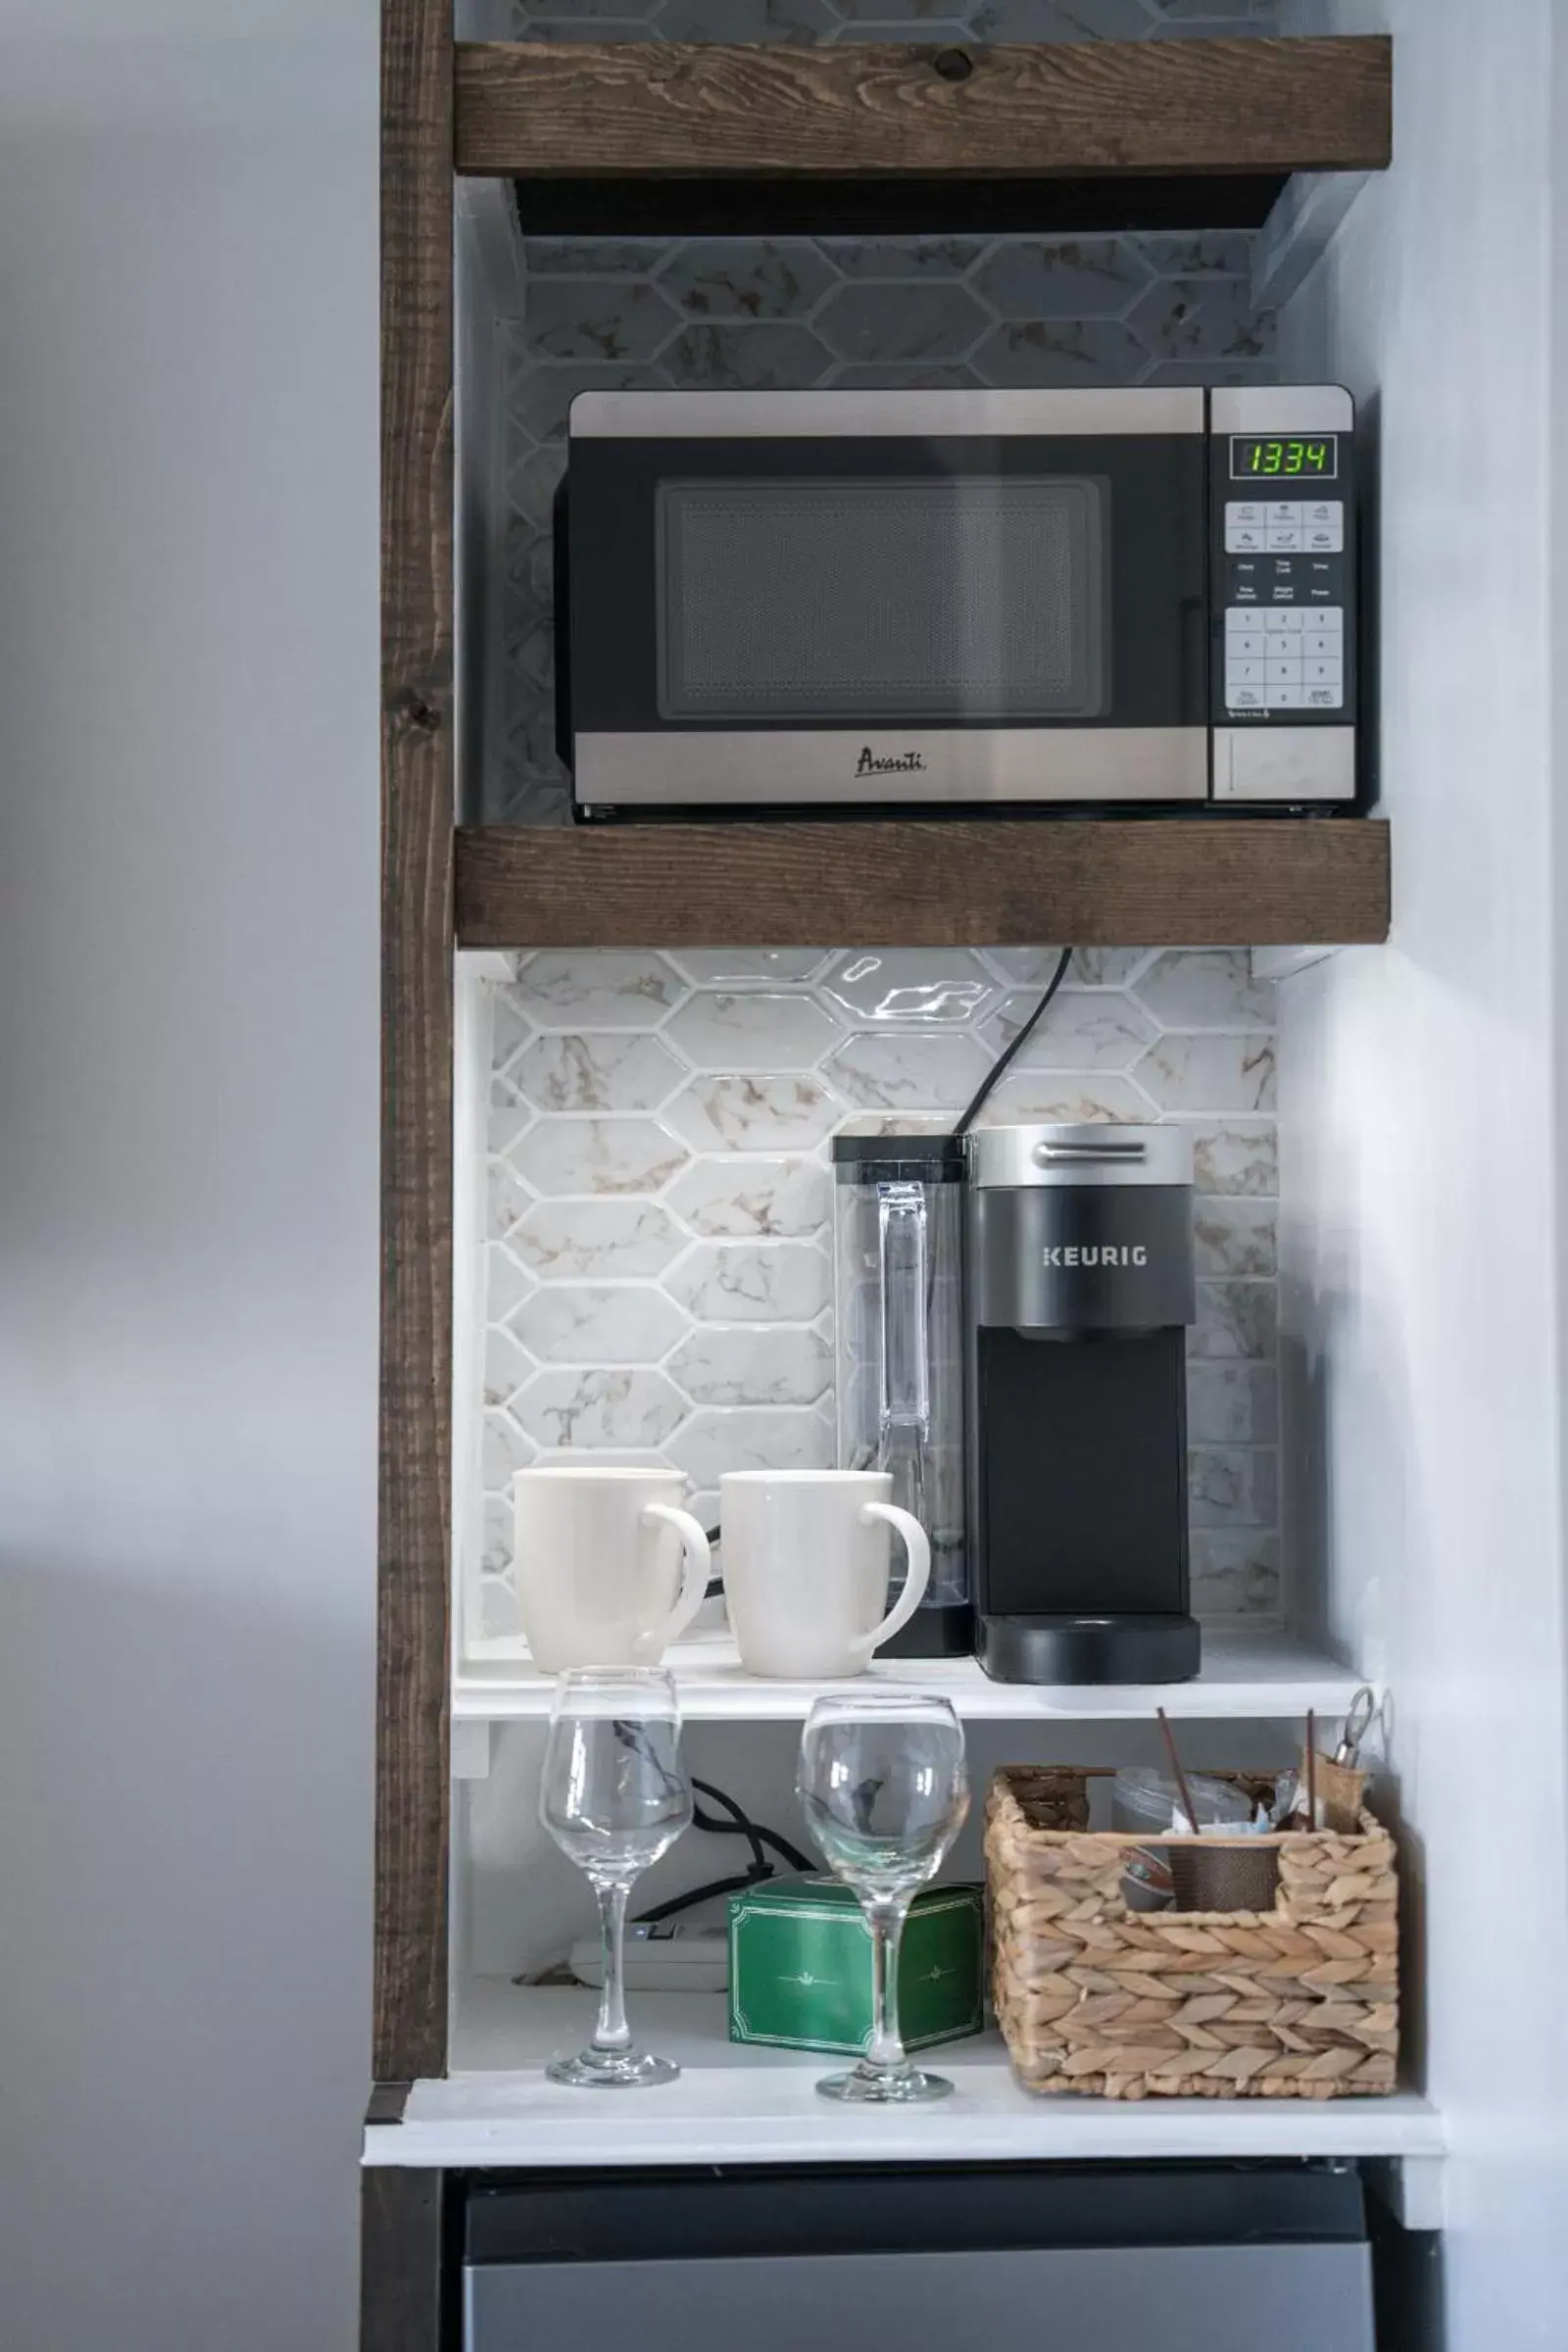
(1363, 1712)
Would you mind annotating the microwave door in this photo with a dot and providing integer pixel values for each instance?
(878, 623)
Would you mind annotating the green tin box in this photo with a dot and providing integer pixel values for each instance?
(800, 1967)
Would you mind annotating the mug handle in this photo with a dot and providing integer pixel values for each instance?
(915, 1581)
(699, 1564)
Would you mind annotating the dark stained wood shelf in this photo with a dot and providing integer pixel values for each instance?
(992, 881)
(616, 110)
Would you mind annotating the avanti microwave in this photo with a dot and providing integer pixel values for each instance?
(1138, 598)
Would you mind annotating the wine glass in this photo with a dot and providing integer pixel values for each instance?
(885, 1789)
(614, 1796)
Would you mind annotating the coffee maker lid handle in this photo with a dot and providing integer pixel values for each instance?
(1107, 1154)
(1087, 1152)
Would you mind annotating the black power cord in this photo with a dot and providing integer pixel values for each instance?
(756, 1834)
(740, 1825)
(1004, 1062)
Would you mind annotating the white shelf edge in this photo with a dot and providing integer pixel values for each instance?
(1246, 1678)
(759, 2106)
(1403, 2130)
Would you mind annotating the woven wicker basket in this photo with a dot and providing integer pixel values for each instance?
(1301, 2002)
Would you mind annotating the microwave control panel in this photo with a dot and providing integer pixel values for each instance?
(1284, 568)
(1282, 492)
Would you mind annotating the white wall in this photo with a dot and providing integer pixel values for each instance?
(1421, 1180)
(187, 1166)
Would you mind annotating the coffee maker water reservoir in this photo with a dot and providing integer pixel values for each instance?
(898, 1258)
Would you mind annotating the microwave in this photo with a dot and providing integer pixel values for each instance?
(904, 601)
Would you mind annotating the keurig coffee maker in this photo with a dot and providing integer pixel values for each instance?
(1079, 1265)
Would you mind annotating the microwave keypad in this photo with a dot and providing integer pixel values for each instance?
(1285, 659)
(1285, 617)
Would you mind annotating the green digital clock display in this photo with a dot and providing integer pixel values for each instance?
(1315, 460)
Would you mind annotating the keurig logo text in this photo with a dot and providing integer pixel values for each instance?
(1127, 1254)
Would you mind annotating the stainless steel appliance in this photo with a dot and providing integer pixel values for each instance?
(1089, 2258)
(1139, 597)
(898, 1258)
(1080, 1287)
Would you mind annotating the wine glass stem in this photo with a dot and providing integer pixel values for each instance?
(887, 1933)
(612, 2031)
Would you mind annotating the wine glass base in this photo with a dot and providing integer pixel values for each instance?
(612, 2069)
(867, 2085)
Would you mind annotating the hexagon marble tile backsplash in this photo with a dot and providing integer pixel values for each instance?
(788, 312)
(803, 20)
(658, 1277)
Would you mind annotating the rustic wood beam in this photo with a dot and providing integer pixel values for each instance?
(407, 2302)
(416, 1041)
(618, 110)
(989, 882)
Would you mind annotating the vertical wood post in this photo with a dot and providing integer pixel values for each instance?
(417, 858)
(407, 2295)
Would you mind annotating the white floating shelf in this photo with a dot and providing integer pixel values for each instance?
(1246, 1678)
(739, 2104)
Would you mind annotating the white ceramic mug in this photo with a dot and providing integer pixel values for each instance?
(806, 1556)
(609, 1568)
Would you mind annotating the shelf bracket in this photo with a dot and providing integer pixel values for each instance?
(1305, 219)
(1409, 2187)
(472, 1745)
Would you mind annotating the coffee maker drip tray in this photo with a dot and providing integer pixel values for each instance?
(1124, 1649)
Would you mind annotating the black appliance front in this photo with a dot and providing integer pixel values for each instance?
(875, 606)
(1091, 2258)
(1082, 1501)
(1079, 1291)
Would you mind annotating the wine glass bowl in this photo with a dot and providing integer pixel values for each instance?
(884, 1786)
(614, 1796)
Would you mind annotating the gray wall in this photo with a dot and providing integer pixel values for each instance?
(188, 1167)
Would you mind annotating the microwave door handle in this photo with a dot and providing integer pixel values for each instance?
(1196, 652)
(560, 544)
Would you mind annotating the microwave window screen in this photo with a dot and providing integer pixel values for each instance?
(940, 598)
